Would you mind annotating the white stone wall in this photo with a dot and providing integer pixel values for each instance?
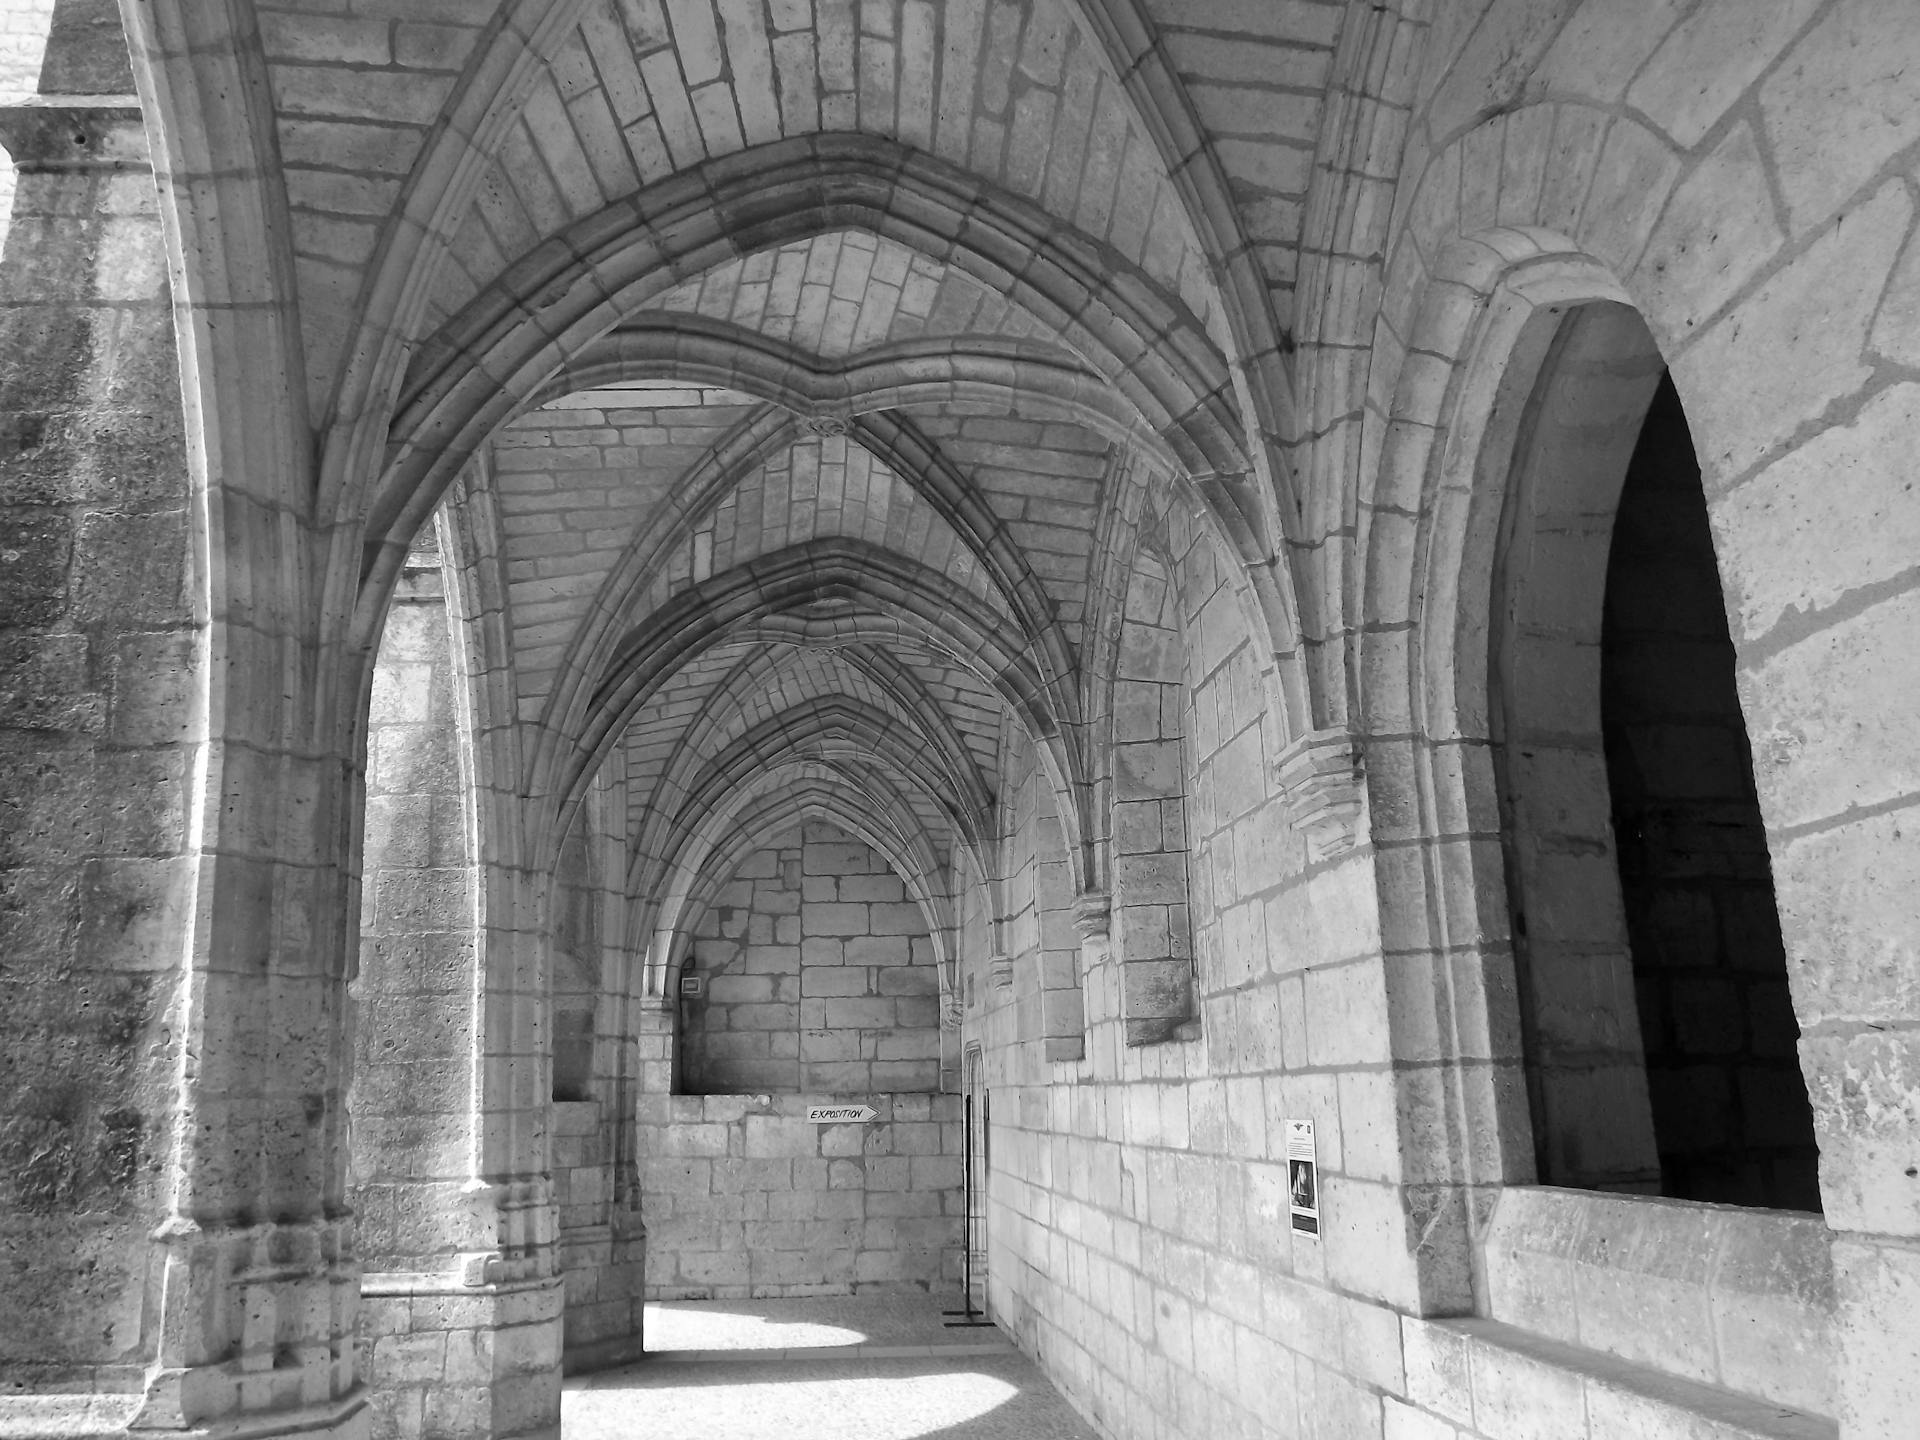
(1346, 293)
(743, 1195)
(817, 977)
(1157, 1172)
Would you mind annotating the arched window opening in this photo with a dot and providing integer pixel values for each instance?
(815, 973)
(1658, 1035)
(1153, 931)
(1731, 1118)
(576, 964)
(1042, 940)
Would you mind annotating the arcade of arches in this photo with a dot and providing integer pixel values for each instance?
(1095, 577)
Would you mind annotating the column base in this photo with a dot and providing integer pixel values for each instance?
(111, 1417)
(605, 1270)
(461, 1362)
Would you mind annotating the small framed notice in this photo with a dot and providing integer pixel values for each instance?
(1303, 1179)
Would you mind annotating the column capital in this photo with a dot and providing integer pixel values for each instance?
(75, 132)
(1093, 915)
(1323, 788)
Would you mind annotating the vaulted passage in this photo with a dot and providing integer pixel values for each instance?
(1207, 703)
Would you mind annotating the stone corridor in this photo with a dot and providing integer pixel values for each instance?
(1231, 679)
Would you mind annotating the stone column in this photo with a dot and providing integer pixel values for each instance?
(166, 1037)
(101, 648)
(461, 1302)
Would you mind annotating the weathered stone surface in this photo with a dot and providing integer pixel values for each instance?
(1803, 311)
(1774, 573)
(791, 1206)
(1145, 477)
(850, 1009)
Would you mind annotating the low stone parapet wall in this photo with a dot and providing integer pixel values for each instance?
(745, 1196)
(1722, 1295)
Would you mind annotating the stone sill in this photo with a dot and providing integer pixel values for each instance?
(1717, 1295)
(1621, 1398)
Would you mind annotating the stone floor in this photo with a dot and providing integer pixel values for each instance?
(828, 1368)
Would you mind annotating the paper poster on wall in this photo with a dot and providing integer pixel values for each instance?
(1303, 1179)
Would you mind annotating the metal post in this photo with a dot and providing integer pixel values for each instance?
(970, 1317)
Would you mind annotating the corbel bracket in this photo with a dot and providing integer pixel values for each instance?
(1323, 787)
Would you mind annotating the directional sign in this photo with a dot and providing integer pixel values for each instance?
(835, 1114)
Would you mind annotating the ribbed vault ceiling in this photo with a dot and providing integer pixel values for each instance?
(810, 500)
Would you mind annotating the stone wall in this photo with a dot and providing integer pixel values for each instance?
(743, 1195)
(411, 1095)
(1370, 988)
(818, 976)
(455, 1361)
(1156, 1174)
(1324, 252)
(101, 639)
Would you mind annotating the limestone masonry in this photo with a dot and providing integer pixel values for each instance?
(721, 649)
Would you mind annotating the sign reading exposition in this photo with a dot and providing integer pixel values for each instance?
(837, 1114)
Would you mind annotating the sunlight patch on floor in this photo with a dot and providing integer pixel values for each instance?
(676, 1327)
(854, 1407)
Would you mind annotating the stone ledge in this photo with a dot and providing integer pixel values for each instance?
(1719, 1295)
(1619, 1397)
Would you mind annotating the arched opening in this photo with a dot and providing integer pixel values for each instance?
(1658, 1037)
(575, 976)
(813, 972)
(808, 1147)
(1037, 901)
(1153, 930)
(1731, 1118)
(449, 1065)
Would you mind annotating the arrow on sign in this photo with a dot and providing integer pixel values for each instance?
(835, 1114)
